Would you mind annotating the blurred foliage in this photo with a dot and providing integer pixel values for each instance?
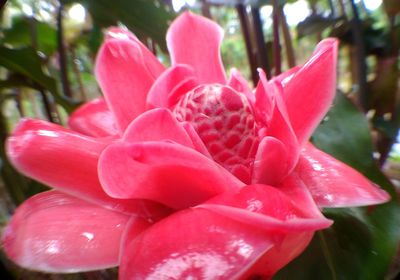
(147, 19)
(40, 47)
(19, 34)
(26, 63)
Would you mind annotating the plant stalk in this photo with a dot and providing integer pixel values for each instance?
(287, 37)
(62, 59)
(77, 73)
(244, 23)
(262, 55)
(277, 46)
(360, 58)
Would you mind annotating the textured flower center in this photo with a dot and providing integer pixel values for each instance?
(224, 121)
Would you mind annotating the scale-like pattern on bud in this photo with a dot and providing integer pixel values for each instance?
(224, 120)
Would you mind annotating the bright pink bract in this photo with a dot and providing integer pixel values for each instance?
(180, 172)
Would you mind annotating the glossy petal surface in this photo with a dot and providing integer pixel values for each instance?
(93, 119)
(194, 244)
(66, 161)
(124, 79)
(311, 90)
(165, 172)
(287, 223)
(195, 41)
(56, 232)
(265, 207)
(236, 235)
(335, 184)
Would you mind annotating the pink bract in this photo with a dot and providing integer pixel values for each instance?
(180, 172)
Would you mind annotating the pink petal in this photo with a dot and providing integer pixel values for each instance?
(67, 161)
(194, 244)
(286, 76)
(165, 172)
(196, 140)
(55, 232)
(240, 234)
(156, 125)
(124, 78)
(135, 226)
(269, 166)
(239, 83)
(153, 66)
(335, 184)
(288, 248)
(266, 207)
(265, 102)
(285, 221)
(171, 85)
(298, 192)
(310, 92)
(196, 41)
(93, 119)
(271, 109)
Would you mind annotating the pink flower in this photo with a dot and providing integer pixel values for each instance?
(180, 172)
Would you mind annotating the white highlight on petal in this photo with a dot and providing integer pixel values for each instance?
(47, 133)
(88, 235)
(243, 248)
(176, 266)
(53, 247)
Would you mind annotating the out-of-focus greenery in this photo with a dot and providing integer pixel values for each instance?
(47, 71)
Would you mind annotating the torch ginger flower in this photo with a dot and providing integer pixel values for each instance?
(180, 172)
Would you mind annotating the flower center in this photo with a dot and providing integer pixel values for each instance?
(224, 120)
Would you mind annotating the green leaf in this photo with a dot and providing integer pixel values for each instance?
(20, 34)
(27, 62)
(144, 18)
(362, 242)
